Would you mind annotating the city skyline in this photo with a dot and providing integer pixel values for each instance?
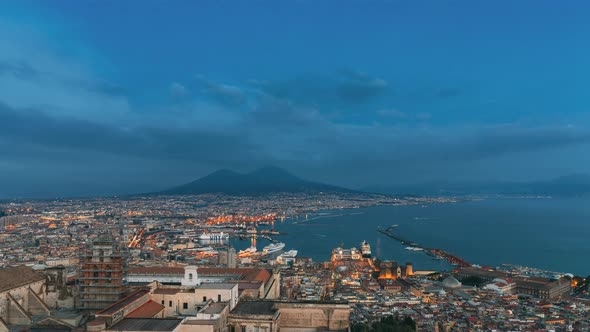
(102, 98)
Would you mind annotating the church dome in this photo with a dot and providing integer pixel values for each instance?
(451, 282)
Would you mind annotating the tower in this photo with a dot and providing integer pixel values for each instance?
(409, 269)
(191, 278)
(101, 275)
(231, 258)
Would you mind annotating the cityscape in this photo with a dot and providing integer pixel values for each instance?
(109, 263)
(294, 166)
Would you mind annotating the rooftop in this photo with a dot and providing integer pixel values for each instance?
(220, 285)
(215, 308)
(146, 324)
(255, 308)
(113, 308)
(146, 310)
(167, 291)
(245, 274)
(18, 276)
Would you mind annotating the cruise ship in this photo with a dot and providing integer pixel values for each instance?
(287, 257)
(273, 247)
(247, 252)
(366, 249)
(206, 236)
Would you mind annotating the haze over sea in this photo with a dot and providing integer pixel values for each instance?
(550, 234)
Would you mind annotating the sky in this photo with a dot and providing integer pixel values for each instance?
(112, 97)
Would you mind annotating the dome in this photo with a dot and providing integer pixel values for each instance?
(342, 268)
(451, 282)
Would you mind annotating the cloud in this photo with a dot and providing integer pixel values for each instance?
(178, 91)
(59, 111)
(342, 90)
(224, 94)
(33, 127)
(394, 113)
(360, 87)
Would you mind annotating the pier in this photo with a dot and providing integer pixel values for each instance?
(440, 253)
(388, 232)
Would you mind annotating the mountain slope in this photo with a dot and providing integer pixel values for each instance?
(262, 181)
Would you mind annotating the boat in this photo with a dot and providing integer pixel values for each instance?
(290, 253)
(287, 257)
(366, 249)
(273, 247)
(247, 252)
(414, 248)
(214, 236)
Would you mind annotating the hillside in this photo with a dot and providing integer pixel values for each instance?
(262, 181)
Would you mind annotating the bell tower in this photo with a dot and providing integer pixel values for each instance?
(191, 278)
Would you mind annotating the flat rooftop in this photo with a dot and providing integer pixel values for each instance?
(217, 285)
(146, 324)
(255, 308)
(215, 308)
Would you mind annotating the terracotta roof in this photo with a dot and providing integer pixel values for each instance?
(244, 274)
(113, 308)
(18, 276)
(147, 310)
(248, 285)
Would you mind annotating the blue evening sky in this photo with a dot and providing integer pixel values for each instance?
(102, 97)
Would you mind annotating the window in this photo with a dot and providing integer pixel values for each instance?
(185, 305)
(190, 276)
(243, 328)
(218, 297)
(204, 299)
(170, 303)
(232, 328)
(162, 302)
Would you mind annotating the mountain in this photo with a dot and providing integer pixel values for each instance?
(262, 181)
(565, 186)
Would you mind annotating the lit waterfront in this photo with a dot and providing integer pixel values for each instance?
(544, 233)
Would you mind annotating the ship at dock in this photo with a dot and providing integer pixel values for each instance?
(250, 251)
(214, 236)
(273, 247)
(366, 249)
(287, 257)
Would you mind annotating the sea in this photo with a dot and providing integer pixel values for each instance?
(545, 233)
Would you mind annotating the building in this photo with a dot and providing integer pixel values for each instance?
(102, 273)
(231, 258)
(22, 293)
(391, 270)
(341, 254)
(188, 302)
(543, 288)
(271, 316)
(253, 283)
(147, 325)
(254, 316)
(534, 286)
